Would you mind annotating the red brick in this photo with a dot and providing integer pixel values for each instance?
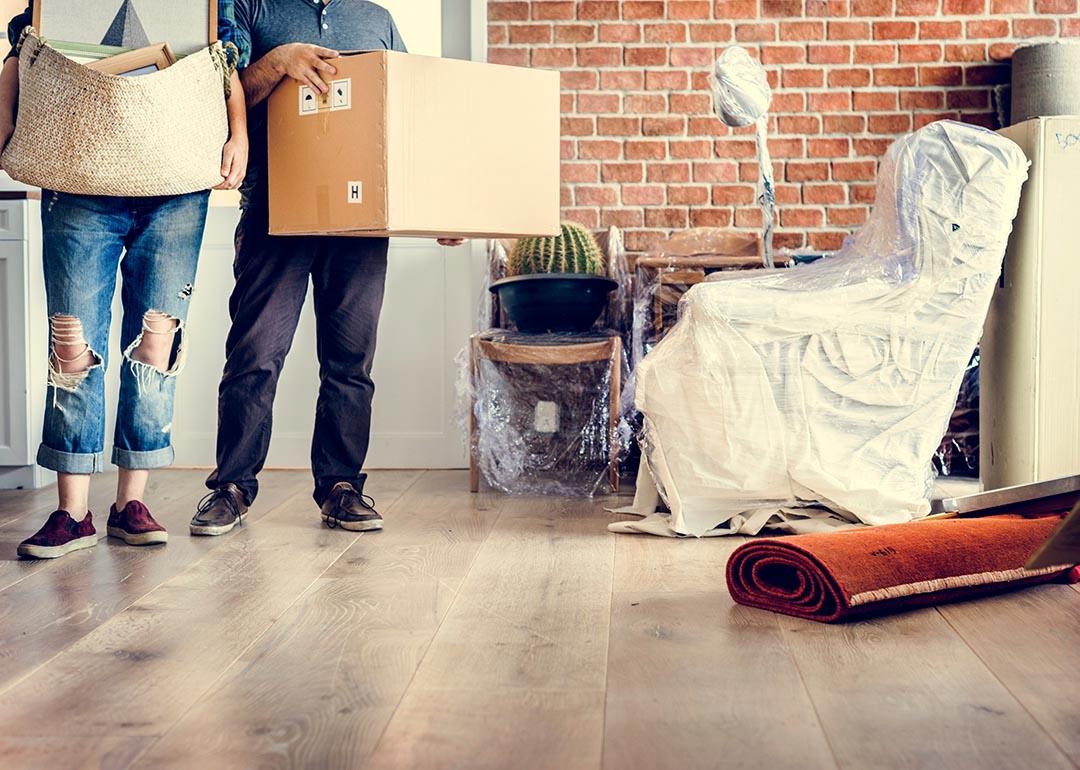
(829, 54)
(657, 80)
(643, 195)
(799, 124)
(735, 9)
(691, 57)
(578, 79)
(588, 217)
(671, 126)
(636, 9)
(871, 7)
(599, 150)
(940, 76)
(620, 126)
(530, 33)
(588, 195)
(1001, 51)
(786, 147)
(599, 56)
(1070, 27)
(619, 33)
(828, 8)
(646, 57)
(987, 74)
(852, 78)
(828, 148)
(849, 30)
(800, 77)
(1010, 6)
(844, 124)
(966, 52)
(830, 101)
(665, 33)
(917, 7)
(874, 101)
(552, 10)
(968, 99)
(755, 32)
(799, 217)
(689, 148)
(894, 30)
(580, 172)
(854, 170)
(623, 172)
(781, 8)
(875, 54)
(807, 171)
(672, 218)
(783, 54)
(651, 149)
(507, 11)
(687, 195)
(964, 7)
(748, 217)
(710, 218)
(875, 148)
(862, 193)
(793, 31)
(733, 195)
(645, 103)
(894, 76)
(577, 127)
(711, 33)
(1055, 6)
(642, 240)
(1034, 27)
(716, 171)
(922, 100)
(498, 34)
(824, 193)
(594, 10)
(988, 28)
(621, 218)
(575, 33)
(517, 57)
(940, 30)
(552, 57)
(735, 148)
(788, 102)
(896, 123)
(689, 9)
(827, 241)
(598, 103)
(920, 52)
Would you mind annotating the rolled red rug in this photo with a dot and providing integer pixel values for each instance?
(853, 573)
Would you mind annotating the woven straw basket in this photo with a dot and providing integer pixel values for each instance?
(83, 131)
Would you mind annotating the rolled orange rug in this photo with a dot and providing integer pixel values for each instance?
(853, 573)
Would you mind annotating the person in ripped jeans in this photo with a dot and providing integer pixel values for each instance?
(155, 242)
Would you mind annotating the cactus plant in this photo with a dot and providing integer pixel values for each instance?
(575, 250)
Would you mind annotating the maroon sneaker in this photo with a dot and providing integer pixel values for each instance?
(135, 526)
(60, 535)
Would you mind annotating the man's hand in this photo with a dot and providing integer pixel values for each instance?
(451, 241)
(306, 64)
(234, 160)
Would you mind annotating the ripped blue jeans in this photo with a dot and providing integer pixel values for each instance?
(155, 244)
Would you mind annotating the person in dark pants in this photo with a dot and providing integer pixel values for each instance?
(298, 40)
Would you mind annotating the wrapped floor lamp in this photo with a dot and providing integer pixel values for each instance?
(822, 392)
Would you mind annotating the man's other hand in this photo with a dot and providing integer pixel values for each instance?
(451, 241)
(306, 63)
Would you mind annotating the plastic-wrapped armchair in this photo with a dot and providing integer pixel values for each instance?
(832, 384)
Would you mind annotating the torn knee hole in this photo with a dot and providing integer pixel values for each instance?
(158, 349)
(71, 357)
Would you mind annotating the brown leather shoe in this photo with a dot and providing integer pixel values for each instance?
(220, 511)
(349, 508)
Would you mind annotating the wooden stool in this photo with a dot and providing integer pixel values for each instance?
(553, 354)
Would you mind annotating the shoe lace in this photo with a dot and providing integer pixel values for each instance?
(365, 501)
(211, 499)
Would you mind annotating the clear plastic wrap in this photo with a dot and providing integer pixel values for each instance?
(545, 416)
(832, 383)
(958, 453)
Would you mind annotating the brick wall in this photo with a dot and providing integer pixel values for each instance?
(642, 150)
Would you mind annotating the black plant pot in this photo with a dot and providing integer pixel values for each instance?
(554, 302)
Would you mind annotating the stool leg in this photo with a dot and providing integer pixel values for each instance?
(616, 392)
(474, 460)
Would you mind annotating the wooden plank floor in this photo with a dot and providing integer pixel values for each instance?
(483, 631)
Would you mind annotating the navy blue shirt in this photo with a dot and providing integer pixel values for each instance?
(343, 25)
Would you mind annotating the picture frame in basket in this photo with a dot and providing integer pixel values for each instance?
(141, 61)
(124, 25)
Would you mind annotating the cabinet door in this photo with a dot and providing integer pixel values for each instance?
(14, 417)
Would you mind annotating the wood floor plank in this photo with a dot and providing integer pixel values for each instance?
(136, 674)
(318, 689)
(1028, 639)
(524, 645)
(694, 678)
(70, 752)
(907, 692)
(66, 599)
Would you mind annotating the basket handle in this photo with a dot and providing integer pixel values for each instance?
(29, 31)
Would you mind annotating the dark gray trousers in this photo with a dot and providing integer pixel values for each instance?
(272, 274)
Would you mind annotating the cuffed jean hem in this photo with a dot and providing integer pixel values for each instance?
(67, 462)
(143, 461)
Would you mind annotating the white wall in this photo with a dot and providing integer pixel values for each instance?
(420, 23)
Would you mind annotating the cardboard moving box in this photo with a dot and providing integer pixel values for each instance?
(1030, 372)
(418, 146)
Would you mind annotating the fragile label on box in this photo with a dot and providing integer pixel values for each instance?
(339, 97)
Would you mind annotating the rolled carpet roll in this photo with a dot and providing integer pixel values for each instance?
(839, 576)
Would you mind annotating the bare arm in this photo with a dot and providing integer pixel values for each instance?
(304, 63)
(234, 156)
(9, 99)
